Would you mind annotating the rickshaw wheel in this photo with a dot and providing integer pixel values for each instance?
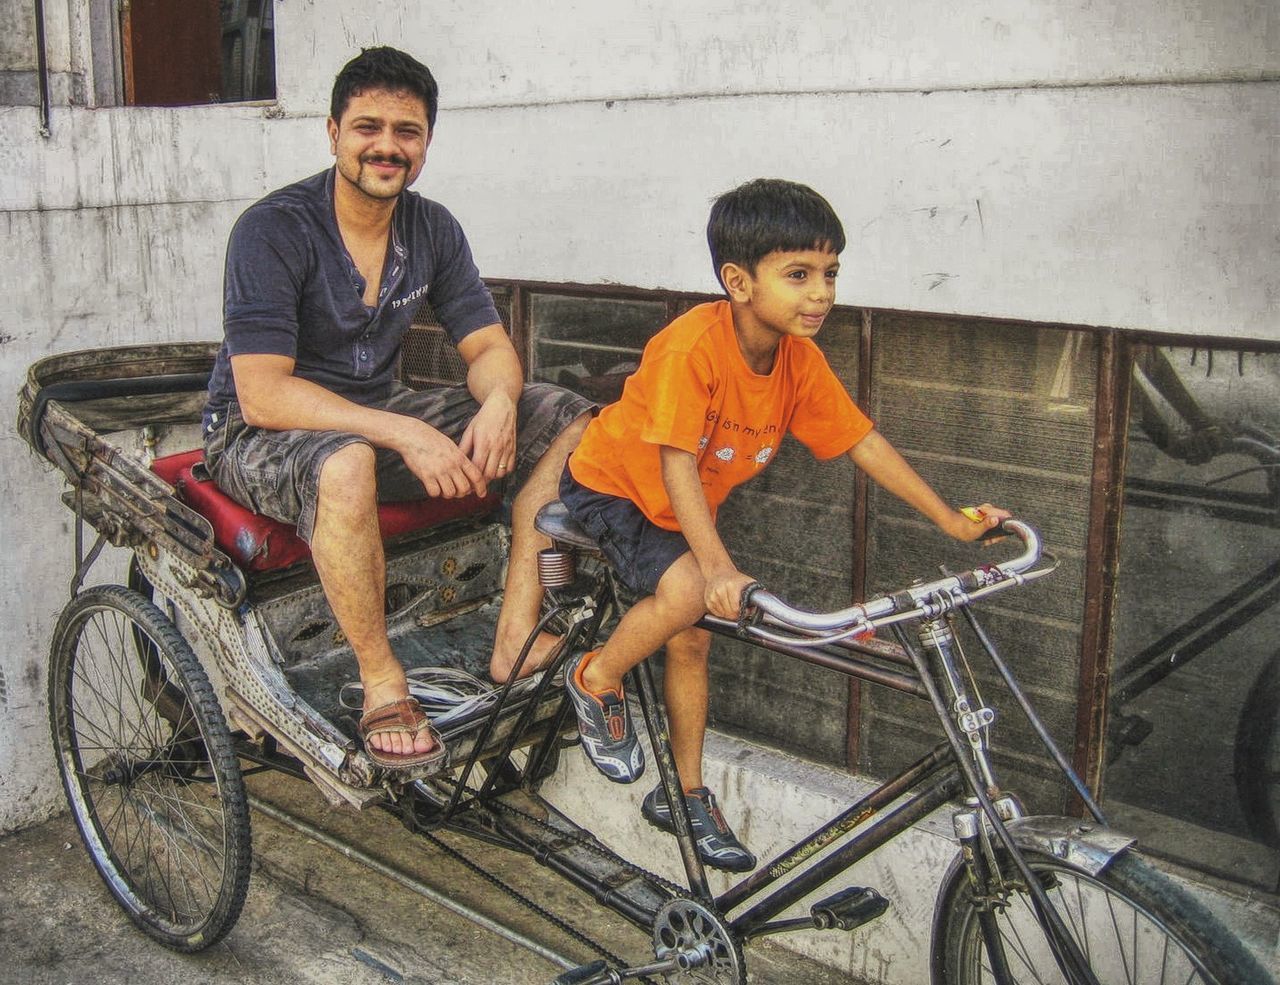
(149, 768)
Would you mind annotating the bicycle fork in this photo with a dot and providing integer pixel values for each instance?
(987, 808)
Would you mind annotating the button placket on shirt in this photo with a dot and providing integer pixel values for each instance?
(363, 363)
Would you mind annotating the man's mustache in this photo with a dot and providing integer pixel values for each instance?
(395, 159)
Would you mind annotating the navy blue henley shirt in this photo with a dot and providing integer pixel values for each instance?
(292, 289)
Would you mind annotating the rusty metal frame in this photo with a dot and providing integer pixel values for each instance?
(1106, 494)
(866, 340)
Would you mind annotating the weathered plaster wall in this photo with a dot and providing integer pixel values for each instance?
(1064, 161)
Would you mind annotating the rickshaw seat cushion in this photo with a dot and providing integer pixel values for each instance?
(258, 543)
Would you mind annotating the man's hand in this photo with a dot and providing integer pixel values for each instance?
(723, 592)
(495, 380)
(489, 441)
(974, 521)
(440, 465)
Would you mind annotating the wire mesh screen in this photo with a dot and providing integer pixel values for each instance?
(428, 356)
(999, 413)
(591, 344)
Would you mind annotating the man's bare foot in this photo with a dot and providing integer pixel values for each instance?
(393, 743)
(507, 652)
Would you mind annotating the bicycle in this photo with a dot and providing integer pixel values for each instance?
(1195, 438)
(152, 752)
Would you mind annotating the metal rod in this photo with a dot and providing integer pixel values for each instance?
(517, 732)
(494, 715)
(783, 927)
(42, 70)
(852, 666)
(1037, 725)
(660, 742)
(588, 882)
(409, 882)
(1102, 553)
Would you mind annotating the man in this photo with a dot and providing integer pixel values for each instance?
(305, 421)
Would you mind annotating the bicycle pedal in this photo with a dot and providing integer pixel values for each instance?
(583, 973)
(848, 909)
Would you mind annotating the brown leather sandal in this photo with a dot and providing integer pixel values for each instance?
(403, 717)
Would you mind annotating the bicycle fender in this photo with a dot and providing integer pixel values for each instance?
(1084, 845)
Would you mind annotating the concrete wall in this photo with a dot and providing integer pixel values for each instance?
(1061, 161)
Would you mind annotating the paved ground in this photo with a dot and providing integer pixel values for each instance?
(312, 915)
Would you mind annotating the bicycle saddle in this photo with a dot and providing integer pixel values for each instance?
(554, 521)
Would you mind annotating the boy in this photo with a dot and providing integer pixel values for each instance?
(713, 395)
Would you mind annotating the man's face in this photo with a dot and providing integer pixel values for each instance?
(380, 142)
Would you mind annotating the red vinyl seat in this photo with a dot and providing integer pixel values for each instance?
(258, 543)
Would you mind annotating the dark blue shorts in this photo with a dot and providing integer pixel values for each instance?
(639, 551)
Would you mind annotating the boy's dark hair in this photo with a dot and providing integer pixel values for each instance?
(384, 68)
(766, 215)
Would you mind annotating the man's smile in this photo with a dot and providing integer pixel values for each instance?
(386, 165)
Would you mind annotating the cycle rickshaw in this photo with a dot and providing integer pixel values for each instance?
(218, 656)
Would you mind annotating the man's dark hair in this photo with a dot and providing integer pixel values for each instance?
(384, 68)
(766, 215)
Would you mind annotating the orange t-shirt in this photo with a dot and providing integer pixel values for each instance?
(694, 391)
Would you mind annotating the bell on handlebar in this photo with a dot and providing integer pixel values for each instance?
(556, 568)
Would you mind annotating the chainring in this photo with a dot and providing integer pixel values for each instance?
(686, 926)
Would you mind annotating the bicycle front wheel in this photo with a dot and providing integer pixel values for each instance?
(148, 767)
(1133, 925)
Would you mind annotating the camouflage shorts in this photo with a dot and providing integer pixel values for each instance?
(277, 473)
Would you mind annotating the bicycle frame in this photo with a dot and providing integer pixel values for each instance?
(1223, 615)
(959, 764)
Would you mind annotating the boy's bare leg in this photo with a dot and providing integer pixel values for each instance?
(347, 550)
(522, 593)
(684, 688)
(648, 624)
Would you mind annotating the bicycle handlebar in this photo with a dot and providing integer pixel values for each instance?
(924, 599)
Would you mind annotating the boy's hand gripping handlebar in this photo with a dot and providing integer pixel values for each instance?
(921, 600)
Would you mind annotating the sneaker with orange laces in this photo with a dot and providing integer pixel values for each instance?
(717, 845)
(604, 724)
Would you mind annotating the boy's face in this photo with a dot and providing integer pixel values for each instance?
(790, 292)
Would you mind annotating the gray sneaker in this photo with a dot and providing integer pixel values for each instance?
(604, 724)
(717, 845)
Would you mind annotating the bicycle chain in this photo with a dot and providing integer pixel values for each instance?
(582, 841)
(591, 844)
(555, 921)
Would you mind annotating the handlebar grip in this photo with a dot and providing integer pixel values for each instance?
(977, 516)
(995, 533)
(744, 603)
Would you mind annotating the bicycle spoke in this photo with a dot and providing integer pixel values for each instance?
(109, 678)
(1122, 941)
(1022, 950)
